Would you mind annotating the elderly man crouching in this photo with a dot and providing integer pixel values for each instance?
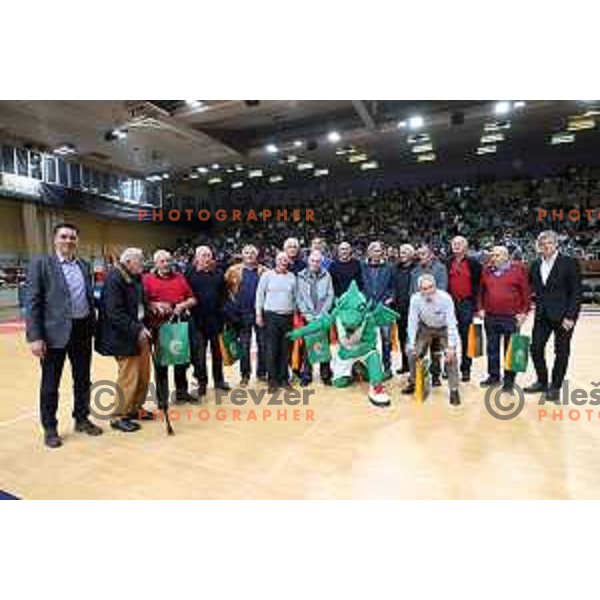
(431, 319)
(121, 334)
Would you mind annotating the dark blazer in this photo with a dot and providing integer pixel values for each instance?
(474, 268)
(402, 284)
(561, 296)
(48, 303)
(119, 320)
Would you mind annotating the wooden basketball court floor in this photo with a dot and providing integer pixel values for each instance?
(350, 450)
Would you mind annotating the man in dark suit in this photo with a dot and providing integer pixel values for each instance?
(556, 283)
(59, 323)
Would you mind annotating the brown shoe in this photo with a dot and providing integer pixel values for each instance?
(88, 427)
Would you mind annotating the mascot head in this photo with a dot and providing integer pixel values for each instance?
(351, 308)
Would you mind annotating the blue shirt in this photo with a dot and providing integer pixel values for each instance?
(74, 277)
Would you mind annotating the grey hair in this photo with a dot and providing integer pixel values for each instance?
(289, 241)
(131, 254)
(161, 254)
(408, 248)
(426, 277)
(548, 234)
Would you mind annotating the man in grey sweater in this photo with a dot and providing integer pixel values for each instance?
(275, 305)
(431, 319)
(315, 297)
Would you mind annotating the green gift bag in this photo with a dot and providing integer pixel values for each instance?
(173, 344)
(517, 355)
(231, 349)
(317, 347)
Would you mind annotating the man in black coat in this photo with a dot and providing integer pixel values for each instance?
(59, 323)
(121, 333)
(208, 284)
(344, 270)
(402, 284)
(556, 283)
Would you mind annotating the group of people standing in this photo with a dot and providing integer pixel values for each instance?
(436, 303)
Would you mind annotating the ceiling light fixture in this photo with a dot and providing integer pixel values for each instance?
(237, 184)
(202, 170)
(334, 137)
(416, 122)
(492, 138)
(356, 158)
(305, 166)
(275, 178)
(426, 157)
(487, 149)
(502, 107)
(214, 180)
(255, 173)
(272, 149)
(368, 166)
(562, 138)
(420, 148)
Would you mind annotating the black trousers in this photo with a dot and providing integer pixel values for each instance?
(277, 346)
(79, 351)
(161, 376)
(542, 329)
(245, 330)
(200, 339)
(402, 324)
(464, 317)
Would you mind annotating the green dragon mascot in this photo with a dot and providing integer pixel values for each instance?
(357, 322)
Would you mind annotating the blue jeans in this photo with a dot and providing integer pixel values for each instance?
(498, 328)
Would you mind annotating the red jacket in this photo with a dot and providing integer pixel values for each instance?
(507, 294)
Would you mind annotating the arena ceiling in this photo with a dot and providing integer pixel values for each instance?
(202, 140)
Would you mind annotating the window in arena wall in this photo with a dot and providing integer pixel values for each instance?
(8, 159)
(75, 175)
(35, 165)
(50, 175)
(63, 174)
(22, 162)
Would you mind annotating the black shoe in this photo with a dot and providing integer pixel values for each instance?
(445, 375)
(535, 388)
(454, 398)
(197, 396)
(52, 439)
(552, 394)
(222, 385)
(508, 386)
(244, 381)
(466, 377)
(125, 425)
(304, 382)
(288, 386)
(183, 397)
(87, 427)
(141, 415)
(409, 389)
(436, 381)
(272, 389)
(262, 378)
(326, 382)
(488, 381)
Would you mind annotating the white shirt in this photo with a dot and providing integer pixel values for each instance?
(546, 267)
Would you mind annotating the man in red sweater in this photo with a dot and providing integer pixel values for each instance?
(168, 295)
(504, 299)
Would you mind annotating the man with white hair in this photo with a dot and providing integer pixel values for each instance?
(504, 300)
(291, 247)
(208, 284)
(314, 294)
(464, 274)
(556, 283)
(122, 334)
(167, 295)
(432, 323)
(275, 306)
